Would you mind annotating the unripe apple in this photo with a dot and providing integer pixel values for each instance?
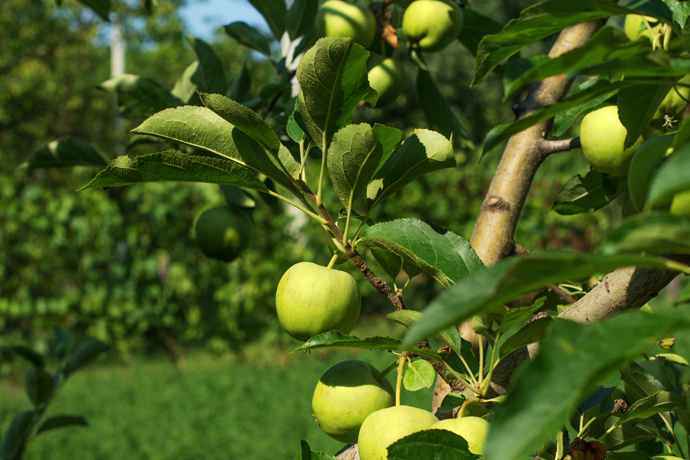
(346, 395)
(384, 427)
(635, 28)
(680, 206)
(387, 77)
(472, 429)
(224, 232)
(643, 164)
(312, 299)
(431, 25)
(336, 18)
(673, 105)
(602, 136)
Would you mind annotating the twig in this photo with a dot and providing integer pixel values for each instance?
(561, 293)
(352, 254)
(549, 147)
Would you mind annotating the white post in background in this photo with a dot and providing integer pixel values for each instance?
(117, 68)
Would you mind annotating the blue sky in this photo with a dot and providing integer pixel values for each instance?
(204, 16)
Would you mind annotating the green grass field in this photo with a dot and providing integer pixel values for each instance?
(252, 406)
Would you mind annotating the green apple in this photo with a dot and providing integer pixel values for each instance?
(472, 429)
(384, 427)
(346, 395)
(644, 163)
(602, 136)
(387, 77)
(680, 206)
(672, 106)
(224, 232)
(312, 299)
(635, 28)
(336, 18)
(431, 25)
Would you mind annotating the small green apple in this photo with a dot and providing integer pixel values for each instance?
(346, 395)
(336, 18)
(602, 136)
(384, 427)
(643, 164)
(387, 77)
(224, 232)
(672, 106)
(680, 206)
(472, 429)
(431, 25)
(312, 299)
(635, 28)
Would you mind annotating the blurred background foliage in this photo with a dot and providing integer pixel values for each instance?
(121, 265)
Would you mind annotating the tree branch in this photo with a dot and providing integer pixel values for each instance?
(549, 147)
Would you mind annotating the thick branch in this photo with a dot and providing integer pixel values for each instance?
(498, 217)
(625, 289)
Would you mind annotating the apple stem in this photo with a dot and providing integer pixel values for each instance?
(398, 385)
(387, 370)
(333, 260)
(462, 408)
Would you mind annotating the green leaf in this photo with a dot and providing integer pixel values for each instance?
(590, 193)
(595, 397)
(100, 7)
(85, 352)
(240, 85)
(430, 445)
(572, 359)
(633, 455)
(637, 106)
(437, 107)
(418, 375)
(512, 278)
(680, 10)
(249, 37)
(564, 119)
(300, 17)
(333, 78)
(201, 127)
(61, 343)
(184, 88)
(660, 401)
(353, 158)
(516, 67)
(391, 263)
(66, 153)
(444, 255)
(308, 454)
(450, 335)
(58, 421)
(244, 119)
(628, 434)
(423, 152)
(531, 333)
(31, 356)
(671, 178)
(235, 196)
(139, 97)
(274, 12)
(209, 76)
(336, 339)
(475, 28)
(509, 317)
(541, 20)
(177, 167)
(39, 385)
(16, 434)
(607, 44)
(655, 233)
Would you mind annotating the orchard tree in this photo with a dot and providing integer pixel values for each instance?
(596, 380)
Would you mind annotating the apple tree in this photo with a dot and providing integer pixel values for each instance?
(596, 378)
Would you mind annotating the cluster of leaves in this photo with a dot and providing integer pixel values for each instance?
(42, 387)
